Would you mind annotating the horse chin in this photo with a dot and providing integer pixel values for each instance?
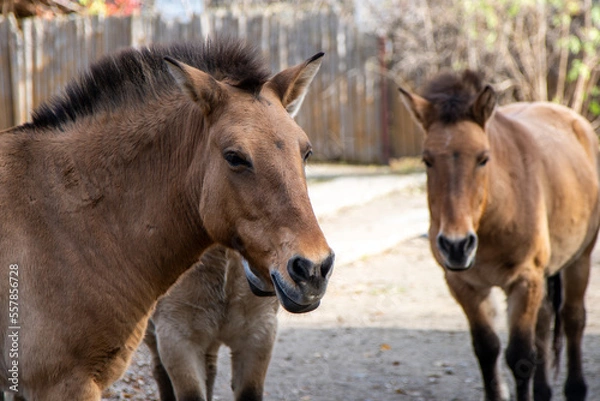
(257, 285)
(286, 301)
(459, 267)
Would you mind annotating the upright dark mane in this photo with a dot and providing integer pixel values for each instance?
(451, 96)
(134, 75)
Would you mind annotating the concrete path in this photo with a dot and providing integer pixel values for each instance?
(364, 201)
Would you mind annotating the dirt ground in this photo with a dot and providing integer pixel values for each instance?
(387, 328)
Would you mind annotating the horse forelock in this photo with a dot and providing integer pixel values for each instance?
(135, 75)
(451, 96)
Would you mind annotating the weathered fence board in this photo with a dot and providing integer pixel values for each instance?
(6, 97)
(342, 113)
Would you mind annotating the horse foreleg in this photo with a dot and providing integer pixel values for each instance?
(184, 362)
(541, 387)
(524, 298)
(250, 361)
(165, 387)
(575, 281)
(211, 359)
(480, 311)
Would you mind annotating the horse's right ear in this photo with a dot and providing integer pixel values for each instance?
(292, 84)
(483, 107)
(418, 107)
(203, 89)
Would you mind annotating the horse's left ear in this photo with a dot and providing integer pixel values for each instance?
(203, 89)
(483, 107)
(292, 84)
(418, 107)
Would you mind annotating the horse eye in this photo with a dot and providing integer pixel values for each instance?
(307, 155)
(483, 160)
(236, 160)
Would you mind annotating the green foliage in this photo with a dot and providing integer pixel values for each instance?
(595, 107)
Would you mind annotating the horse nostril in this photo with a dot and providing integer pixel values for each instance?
(470, 243)
(300, 268)
(327, 265)
(444, 244)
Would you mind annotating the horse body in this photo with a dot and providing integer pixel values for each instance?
(209, 306)
(513, 198)
(70, 218)
(548, 196)
(116, 188)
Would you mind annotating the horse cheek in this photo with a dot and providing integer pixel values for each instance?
(480, 198)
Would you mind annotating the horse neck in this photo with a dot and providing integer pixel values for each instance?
(507, 173)
(128, 171)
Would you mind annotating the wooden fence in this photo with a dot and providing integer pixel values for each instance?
(351, 113)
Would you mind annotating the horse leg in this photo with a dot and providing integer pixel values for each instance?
(210, 359)
(575, 281)
(185, 366)
(480, 310)
(541, 387)
(524, 298)
(165, 387)
(250, 361)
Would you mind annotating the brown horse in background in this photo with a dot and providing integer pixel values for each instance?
(513, 199)
(209, 306)
(117, 187)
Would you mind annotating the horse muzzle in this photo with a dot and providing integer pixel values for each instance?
(301, 291)
(457, 254)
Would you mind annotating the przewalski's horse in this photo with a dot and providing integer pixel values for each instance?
(211, 305)
(513, 199)
(116, 188)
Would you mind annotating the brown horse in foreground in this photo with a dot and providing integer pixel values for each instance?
(117, 187)
(513, 199)
(209, 306)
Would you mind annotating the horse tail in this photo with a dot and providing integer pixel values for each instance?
(554, 284)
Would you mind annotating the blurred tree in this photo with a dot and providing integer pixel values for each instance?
(530, 49)
(49, 8)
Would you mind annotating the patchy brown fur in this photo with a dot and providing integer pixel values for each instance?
(117, 187)
(513, 198)
(209, 306)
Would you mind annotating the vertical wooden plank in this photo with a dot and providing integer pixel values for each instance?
(206, 24)
(6, 88)
(301, 50)
(39, 94)
(274, 32)
(17, 57)
(48, 58)
(344, 78)
(69, 53)
(317, 113)
(254, 30)
(196, 28)
(27, 28)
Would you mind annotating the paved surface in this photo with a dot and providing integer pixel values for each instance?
(335, 190)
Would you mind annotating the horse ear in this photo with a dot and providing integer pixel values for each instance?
(203, 89)
(418, 106)
(292, 84)
(483, 107)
